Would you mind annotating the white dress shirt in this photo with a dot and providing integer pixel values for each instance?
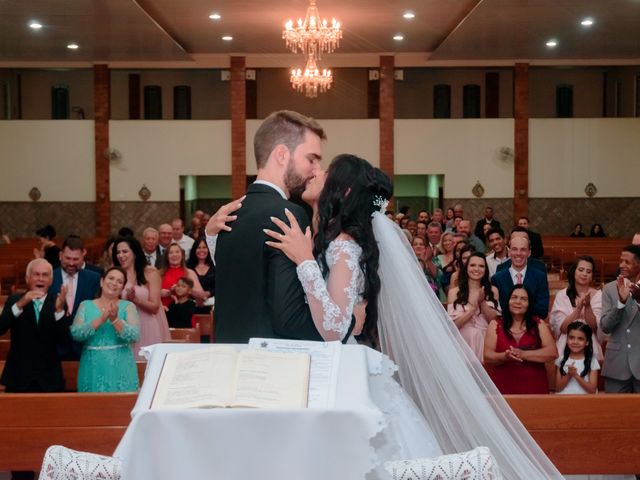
(514, 273)
(186, 243)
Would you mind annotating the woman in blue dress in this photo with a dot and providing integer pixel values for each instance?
(107, 327)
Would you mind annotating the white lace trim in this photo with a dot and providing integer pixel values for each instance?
(335, 318)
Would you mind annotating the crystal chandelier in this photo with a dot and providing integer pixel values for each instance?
(312, 80)
(312, 34)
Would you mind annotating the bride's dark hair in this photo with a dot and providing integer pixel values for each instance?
(346, 204)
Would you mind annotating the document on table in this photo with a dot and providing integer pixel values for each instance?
(325, 364)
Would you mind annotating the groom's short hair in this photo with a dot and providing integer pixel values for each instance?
(283, 127)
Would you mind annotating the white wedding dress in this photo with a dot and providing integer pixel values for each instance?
(461, 408)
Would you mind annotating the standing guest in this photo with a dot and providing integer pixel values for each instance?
(179, 237)
(517, 346)
(80, 285)
(458, 212)
(165, 237)
(520, 272)
(4, 238)
(531, 262)
(143, 289)
(499, 253)
(473, 303)
(412, 226)
(34, 318)
(465, 227)
(636, 239)
(175, 268)
(404, 222)
(621, 321)
(200, 262)
(597, 231)
(434, 235)
(438, 217)
(577, 367)
(107, 327)
(578, 302)
(421, 229)
(48, 248)
(180, 311)
(462, 252)
(577, 231)
(448, 217)
(196, 227)
(390, 215)
(151, 247)
(423, 216)
(537, 249)
(106, 261)
(487, 220)
(126, 232)
(445, 261)
(425, 257)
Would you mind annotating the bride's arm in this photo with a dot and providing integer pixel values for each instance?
(218, 222)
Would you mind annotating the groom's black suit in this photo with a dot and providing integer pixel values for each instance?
(257, 289)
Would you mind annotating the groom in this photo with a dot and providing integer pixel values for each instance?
(257, 289)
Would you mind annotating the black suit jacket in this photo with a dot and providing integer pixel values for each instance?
(479, 230)
(87, 286)
(257, 289)
(537, 250)
(33, 363)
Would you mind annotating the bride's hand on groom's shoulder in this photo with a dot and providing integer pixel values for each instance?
(218, 221)
(297, 246)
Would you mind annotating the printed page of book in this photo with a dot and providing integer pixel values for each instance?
(325, 364)
(271, 380)
(200, 378)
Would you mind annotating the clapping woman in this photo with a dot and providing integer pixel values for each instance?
(107, 327)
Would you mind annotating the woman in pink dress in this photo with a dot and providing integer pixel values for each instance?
(474, 302)
(578, 302)
(143, 289)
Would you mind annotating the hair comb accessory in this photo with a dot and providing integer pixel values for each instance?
(380, 202)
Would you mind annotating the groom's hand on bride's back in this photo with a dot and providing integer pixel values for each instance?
(218, 221)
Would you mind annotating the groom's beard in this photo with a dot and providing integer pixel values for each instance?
(293, 181)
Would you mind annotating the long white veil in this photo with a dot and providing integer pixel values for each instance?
(437, 368)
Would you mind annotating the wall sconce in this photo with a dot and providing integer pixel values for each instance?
(590, 190)
(144, 193)
(35, 194)
(478, 189)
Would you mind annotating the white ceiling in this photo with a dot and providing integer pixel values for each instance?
(180, 32)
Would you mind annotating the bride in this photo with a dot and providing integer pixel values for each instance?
(362, 256)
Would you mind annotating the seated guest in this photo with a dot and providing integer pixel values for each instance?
(143, 289)
(487, 220)
(465, 227)
(81, 284)
(48, 248)
(180, 311)
(499, 253)
(577, 231)
(597, 231)
(462, 253)
(473, 303)
(151, 247)
(579, 302)
(517, 346)
(537, 249)
(175, 268)
(200, 262)
(107, 327)
(520, 272)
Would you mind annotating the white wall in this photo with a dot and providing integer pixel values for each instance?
(463, 150)
(566, 154)
(156, 153)
(359, 137)
(57, 156)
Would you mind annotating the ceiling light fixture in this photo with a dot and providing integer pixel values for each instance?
(398, 38)
(312, 35)
(311, 81)
(35, 25)
(215, 16)
(73, 46)
(409, 15)
(587, 22)
(552, 43)
(227, 38)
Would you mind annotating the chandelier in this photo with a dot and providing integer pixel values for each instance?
(312, 80)
(312, 34)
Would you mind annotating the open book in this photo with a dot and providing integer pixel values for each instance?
(219, 376)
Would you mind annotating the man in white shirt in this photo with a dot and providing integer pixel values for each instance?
(499, 251)
(180, 238)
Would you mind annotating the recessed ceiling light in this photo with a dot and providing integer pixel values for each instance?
(35, 25)
(587, 22)
(215, 16)
(398, 37)
(73, 46)
(552, 43)
(409, 15)
(227, 38)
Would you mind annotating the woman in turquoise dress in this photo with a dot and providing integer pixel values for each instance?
(107, 327)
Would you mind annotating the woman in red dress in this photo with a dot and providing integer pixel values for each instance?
(517, 346)
(175, 268)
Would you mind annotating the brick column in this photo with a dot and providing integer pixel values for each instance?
(387, 113)
(101, 98)
(238, 127)
(521, 141)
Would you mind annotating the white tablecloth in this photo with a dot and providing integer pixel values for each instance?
(253, 444)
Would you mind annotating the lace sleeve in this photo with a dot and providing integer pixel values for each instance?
(332, 303)
(130, 324)
(81, 329)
